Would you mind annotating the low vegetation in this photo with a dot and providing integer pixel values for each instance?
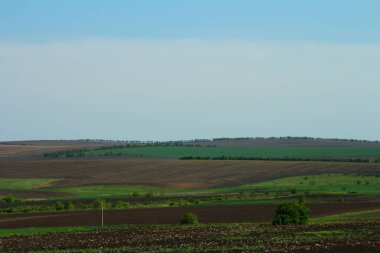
(362, 216)
(10, 199)
(134, 196)
(322, 184)
(25, 183)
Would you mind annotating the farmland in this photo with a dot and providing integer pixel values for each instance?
(171, 173)
(370, 153)
(149, 187)
(350, 237)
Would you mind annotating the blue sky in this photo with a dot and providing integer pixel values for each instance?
(298, 20)
(167, 70)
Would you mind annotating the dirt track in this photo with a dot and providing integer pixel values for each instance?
(207, 214)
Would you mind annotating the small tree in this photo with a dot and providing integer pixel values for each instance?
(99, 203)
(149, 194)
(190, 218)
(291, 213)
(69, 205)
(59, 206)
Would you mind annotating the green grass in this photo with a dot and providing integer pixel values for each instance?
(265, 152)
(8, 232)
(322, 184)
(24, 183)
(44, 230)
(364, 216)
(311, 184)
(107, 191)
(240, 202)
(324, 232)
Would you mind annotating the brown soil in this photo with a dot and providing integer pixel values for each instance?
(170, 172)
(31, 149)
(265, 238)
(207, 214)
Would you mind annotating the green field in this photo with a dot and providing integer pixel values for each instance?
(322, 184)
(114, 191)
(25, 183)
(364, 216)
(342, 184)
(347, 152)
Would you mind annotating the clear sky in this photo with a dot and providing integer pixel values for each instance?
(165, 70)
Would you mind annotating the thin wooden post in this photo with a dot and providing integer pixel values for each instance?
(102, 216)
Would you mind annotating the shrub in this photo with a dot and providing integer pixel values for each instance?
(59, 206)
(99, 203)
(149, 194)
(69, 206)
(301, 199)
(291, 213)
(190, 218)
(10, 199)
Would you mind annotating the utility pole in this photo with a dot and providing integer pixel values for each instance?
(102, 216)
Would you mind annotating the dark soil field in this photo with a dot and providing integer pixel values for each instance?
(169, 172)
(347, 238)
(32, 149)
(207, 214)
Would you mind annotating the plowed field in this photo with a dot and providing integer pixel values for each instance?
(249, 213)
(348, 238)
(171, 173)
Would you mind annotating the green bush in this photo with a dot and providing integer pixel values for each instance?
(69, 205)
(99, 203)
(10, 199)
(149, 194)
(189, 218)
(291, 213)
(59, 206)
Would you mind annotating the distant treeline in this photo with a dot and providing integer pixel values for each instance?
(85, 152)
(327, 159)
(66, 153)
(123, 142)
(135, 142)
(290, 138)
